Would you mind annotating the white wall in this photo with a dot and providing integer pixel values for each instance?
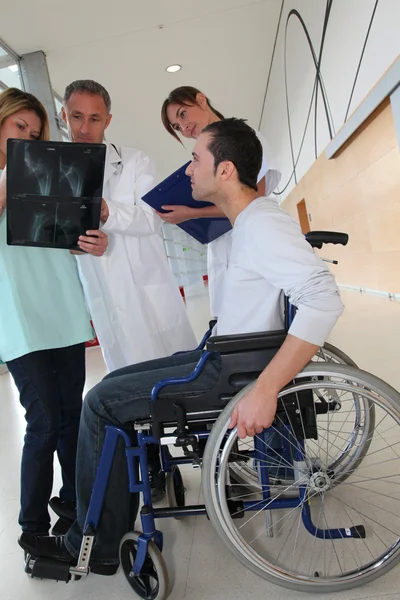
(346, 32)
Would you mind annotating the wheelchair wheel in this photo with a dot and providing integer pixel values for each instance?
(329, 353)
(174, 488)
(325, 537)
(244, 474)
(152, 582)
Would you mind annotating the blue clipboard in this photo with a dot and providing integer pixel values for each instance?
(176, 189)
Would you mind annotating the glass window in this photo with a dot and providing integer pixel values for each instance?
(58, 103)
(9, 71)
(61, 124)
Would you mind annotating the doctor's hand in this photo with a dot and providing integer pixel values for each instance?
(94, 242)
(254, 412)
(178, 214)
(105, 213)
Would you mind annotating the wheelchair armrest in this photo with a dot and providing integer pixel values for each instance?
(179, 380)
(225, 344)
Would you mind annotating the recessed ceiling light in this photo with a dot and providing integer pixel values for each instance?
(13, 68)
(173, 68)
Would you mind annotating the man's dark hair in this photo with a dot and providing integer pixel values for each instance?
(233, 140)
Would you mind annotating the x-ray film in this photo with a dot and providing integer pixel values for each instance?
(54, 192)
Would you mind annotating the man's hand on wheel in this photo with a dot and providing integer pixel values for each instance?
(254, 412)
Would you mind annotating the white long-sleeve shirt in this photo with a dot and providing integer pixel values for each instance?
(271, 258)
(218, 251)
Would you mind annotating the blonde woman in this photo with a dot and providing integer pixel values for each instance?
(43, 328)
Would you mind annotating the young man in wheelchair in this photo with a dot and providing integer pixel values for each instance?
(270, 258)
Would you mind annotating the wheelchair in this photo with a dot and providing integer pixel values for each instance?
(310, 504)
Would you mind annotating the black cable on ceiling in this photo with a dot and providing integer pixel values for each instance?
(318, 79)
(270, 66)
(287, 105)
(301, 144)
(318, 82)
(361, 58)
(324, 28)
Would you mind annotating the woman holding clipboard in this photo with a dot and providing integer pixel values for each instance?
(187, 111)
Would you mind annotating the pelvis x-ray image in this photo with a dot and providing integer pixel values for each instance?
(54, 192)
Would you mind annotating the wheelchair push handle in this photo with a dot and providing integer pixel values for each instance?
(317, 238)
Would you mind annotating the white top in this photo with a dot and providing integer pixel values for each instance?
(268, 166)
(219, 250)
(270, 256)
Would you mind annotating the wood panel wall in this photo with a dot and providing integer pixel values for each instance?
(358, 192)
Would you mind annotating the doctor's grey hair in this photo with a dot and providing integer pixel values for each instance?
(88, 86)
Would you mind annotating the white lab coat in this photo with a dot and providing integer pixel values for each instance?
(218, 251)
(132, 296)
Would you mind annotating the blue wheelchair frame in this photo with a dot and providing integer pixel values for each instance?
(292, 449)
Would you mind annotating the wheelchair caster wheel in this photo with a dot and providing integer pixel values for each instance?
(152, 582)
(174, 489)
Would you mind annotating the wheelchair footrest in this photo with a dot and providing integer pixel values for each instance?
(47, 568)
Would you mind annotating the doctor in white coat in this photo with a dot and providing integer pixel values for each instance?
(133, 298)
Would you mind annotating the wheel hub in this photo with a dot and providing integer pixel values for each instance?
(320, 481)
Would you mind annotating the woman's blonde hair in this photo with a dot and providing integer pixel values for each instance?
(14, 100)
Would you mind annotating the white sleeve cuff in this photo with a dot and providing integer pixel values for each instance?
(313, 325)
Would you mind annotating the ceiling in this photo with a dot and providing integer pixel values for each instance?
(224, 47)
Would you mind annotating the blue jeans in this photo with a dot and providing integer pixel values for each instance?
(50, 383)
(121, 398)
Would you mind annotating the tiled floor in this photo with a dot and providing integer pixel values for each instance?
(198, 563)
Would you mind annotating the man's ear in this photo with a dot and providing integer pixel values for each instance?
(226, 170)
(108, 120)
(64, 115)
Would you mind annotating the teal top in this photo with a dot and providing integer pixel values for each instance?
(41, 299)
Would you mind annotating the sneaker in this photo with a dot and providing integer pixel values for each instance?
(27, 556)
(54, 549)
